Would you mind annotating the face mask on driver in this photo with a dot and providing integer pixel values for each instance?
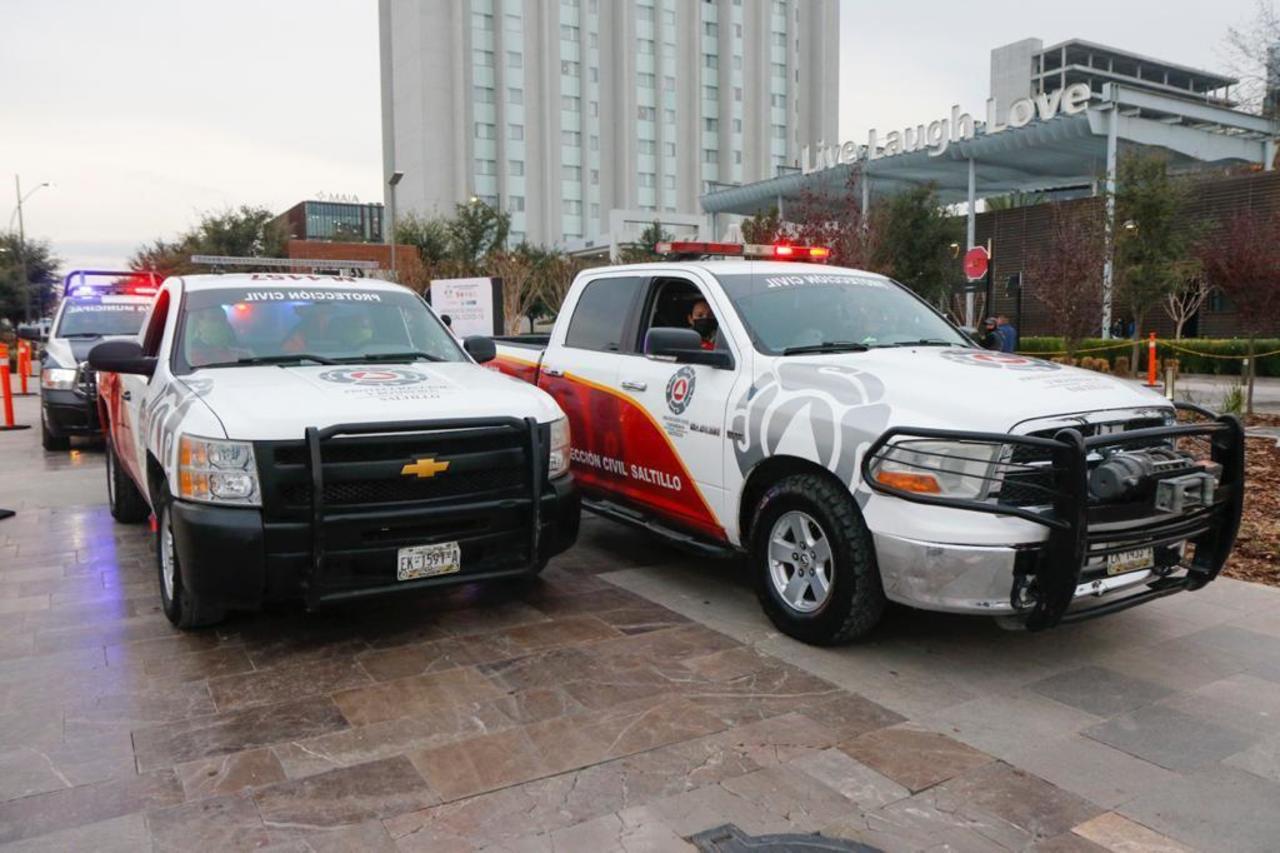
(705, 326)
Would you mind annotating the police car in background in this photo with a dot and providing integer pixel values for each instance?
(97, 305)
(324, 438)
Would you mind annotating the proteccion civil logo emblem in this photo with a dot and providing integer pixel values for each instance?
(377, 376)
(680, 389)
(1007, 361)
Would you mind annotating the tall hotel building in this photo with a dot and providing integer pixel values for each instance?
(588, 119)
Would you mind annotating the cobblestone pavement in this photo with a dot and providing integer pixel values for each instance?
(629, 699)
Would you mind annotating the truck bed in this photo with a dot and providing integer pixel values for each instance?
(521, 355)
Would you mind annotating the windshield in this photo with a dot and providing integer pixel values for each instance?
(263, 325)
(808, 310)
(91, 318)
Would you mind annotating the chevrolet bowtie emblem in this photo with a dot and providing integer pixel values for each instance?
(424, 468)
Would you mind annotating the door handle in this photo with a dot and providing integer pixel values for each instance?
(127, 395)
(632, 385)
(551, 371)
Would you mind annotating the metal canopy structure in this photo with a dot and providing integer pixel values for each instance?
(1066, 151)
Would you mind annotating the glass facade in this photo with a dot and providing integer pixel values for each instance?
(341, 222)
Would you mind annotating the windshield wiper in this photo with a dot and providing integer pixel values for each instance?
(827, 346)
(922, 342)
(80, 335)
(412, 355)
(272, 359)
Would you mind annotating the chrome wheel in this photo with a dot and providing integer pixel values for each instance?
(800, 563)
(111, 477)
(167, 559)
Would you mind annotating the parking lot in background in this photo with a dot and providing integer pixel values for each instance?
(631, 698)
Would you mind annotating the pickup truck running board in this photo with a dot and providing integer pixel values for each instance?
(679, 539)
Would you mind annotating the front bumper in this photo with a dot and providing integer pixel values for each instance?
(230, 556)
(1063, 578)
(69, 412)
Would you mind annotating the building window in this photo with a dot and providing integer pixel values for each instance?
(483, 58)
(515, 167)
(645, 46)
(710, 60)
(646, 113)
(595, 177)
(669, 116)
(571, 138)
(512, 23)
(648, 179)
(515, 59)
(572, 207)
(711, 125)
(515, 204)
(644, 13)
(668, 84)
(779, 101)
(737, 125)
(669, 149)
(669, 181)
(778, 69)
(571, 173)
(516, 132)
(737, 157)
(569, 33)
(646, 146)
(595, 211)
(482, 95)
(515, 96)
(779, 39)
(646, 80)
(779, 131)
(711, 93)
(569, 68)
(593, 108)
(484, 130)
(571, 103)
(710, 155)
(595, 142)
(482, 21)
(486, 167)
(711, 28)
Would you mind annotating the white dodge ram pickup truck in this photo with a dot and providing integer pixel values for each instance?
(328, 437)
(858, 447)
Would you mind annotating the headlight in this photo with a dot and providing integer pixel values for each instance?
(58, 378)
(953, 469)
(216, 471)
(558, 456)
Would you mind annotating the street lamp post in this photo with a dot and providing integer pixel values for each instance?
(392, 182)
(22, 244)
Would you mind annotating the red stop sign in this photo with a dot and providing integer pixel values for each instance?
(976, 263)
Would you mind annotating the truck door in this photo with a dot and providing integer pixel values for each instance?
(133, 391)
(580, 371)
(674, 439)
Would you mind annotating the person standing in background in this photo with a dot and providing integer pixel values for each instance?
(1007, 332)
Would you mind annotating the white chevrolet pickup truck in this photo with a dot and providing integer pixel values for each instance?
(858, 447)
(326, 438)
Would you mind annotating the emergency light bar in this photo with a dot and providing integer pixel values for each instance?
(774, 251)
(74, 283)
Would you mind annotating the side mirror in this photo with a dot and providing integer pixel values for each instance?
(685, 346)
(121, 357)
(31, 333)
(480, 348)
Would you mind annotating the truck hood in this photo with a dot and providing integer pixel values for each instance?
(971, 389)
(71, 352)
(273, 403)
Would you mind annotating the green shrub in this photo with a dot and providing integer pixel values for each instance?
(1188, 362)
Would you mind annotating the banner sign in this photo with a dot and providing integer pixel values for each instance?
(473, 305)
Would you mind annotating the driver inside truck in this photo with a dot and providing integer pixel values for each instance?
(210, 337)
(703, 321)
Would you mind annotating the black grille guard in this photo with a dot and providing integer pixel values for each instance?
(1044, 588)
(315, 438)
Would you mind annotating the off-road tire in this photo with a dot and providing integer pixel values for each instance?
(181, 608)
(52, 442)
(856, 598)
(126, 501)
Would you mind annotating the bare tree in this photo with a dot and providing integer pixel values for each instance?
(1065, 273)
(1251, 54)
(1243, 260)
(520, 291)
(1187, 298)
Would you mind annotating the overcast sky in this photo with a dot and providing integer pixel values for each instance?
(146, 112)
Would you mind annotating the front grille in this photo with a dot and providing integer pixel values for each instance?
(405, 490)
(86, 382)
(366, 470)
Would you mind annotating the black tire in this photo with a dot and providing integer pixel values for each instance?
(180, 606)
(127, 503)
(854, 599)
(52, 442)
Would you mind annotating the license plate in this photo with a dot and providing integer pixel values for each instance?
(1131, 561)
(427, 561)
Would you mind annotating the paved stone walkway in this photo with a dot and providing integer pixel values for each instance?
(628, 700)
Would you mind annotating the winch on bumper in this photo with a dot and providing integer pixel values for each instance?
(1131, 516)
